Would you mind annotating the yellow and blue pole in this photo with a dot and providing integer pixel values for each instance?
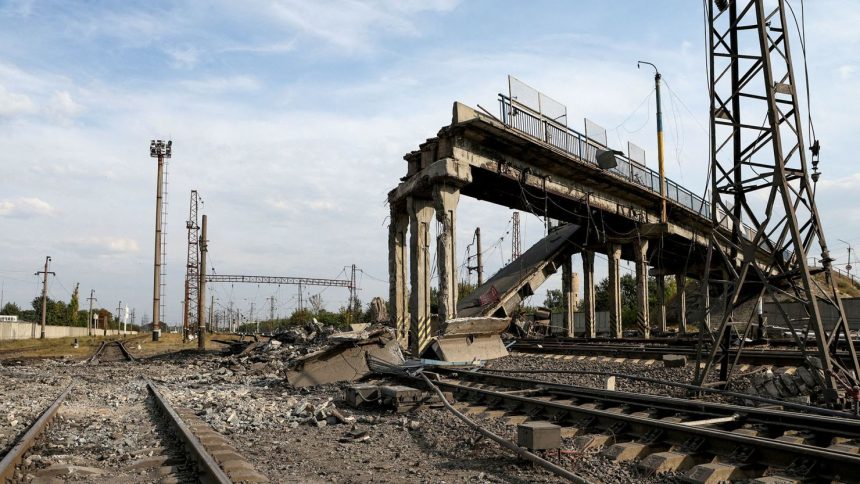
(661, 169)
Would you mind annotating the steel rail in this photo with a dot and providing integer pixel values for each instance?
(12, 458)
(694, 388)
(770, 452)
(207, 464)
(125, 352)
(834, 425)
(521, 452)
(757, 357)
(98, 352)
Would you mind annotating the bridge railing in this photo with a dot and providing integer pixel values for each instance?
(526, 120)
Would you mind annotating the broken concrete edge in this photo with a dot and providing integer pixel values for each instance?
(475, 325)
(474, 347)
(345, 361)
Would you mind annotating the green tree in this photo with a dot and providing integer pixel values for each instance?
(10, 309)
(554, 300)
(57, 312)
(628, 298)
(464, 289)
(74, 307)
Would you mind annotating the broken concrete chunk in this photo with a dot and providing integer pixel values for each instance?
(674, 361)
(346, 361)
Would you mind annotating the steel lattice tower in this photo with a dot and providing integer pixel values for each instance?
(192, 268)
(761, 190)
(516, 247)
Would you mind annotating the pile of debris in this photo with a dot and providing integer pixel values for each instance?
(315, 354)
(312, 332)
(790, 384)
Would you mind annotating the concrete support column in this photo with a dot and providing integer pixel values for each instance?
(445, 199)
(681, 285)
(420, 215)
(588, 293)
(397, 292)
(614, 254)
(568, 296)
(640, 251)
(661, 302)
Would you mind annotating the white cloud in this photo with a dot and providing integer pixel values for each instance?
(26, 207)
(847, 71)
(14, 104)
(107, 245)
(62, 105)
(850, 182)
(354, 26)
(298, 206)
(184, 57)
(213, 85)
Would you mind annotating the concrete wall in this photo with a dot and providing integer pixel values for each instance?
(602, 323)
(9, 331)
(828, 313)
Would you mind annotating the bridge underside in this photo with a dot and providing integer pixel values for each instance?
(479, 157)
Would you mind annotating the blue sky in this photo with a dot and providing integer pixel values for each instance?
(292, 118)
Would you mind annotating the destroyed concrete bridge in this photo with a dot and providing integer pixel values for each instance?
(526, 160)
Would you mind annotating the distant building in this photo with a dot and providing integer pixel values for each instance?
(5, 318)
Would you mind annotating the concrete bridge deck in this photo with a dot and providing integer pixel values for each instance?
(535, 165)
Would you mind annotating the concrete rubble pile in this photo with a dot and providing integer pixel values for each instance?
(312, 332)
(314, 354)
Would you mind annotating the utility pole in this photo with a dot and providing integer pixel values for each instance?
(251, 317)
(848, 266)
(211, 311)
(301, 305)
(161, 150)
(480, 257)
(662, 171)
(90, 312)
(230, 316)
(271, 312)
(118, 314)
(201, 288)
(353, 290)
(44, 295)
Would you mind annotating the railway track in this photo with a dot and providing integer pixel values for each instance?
(654, 350)
(707, 441)
(170, 445)
(111, 351)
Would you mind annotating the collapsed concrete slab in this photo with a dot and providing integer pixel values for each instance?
(346, 361)
(506, 289)
(469, 339)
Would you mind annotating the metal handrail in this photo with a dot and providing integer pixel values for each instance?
(524, 119)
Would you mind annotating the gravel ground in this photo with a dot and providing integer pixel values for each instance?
(105, 430)
(655, 371)
(288, 434)
(25, 395)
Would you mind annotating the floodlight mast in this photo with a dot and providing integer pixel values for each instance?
(160, 150)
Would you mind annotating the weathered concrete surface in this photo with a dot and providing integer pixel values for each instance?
(522, 277)
(420, 215)
(22, 330)
(469, 339)
(469, 348)
(344, 362)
